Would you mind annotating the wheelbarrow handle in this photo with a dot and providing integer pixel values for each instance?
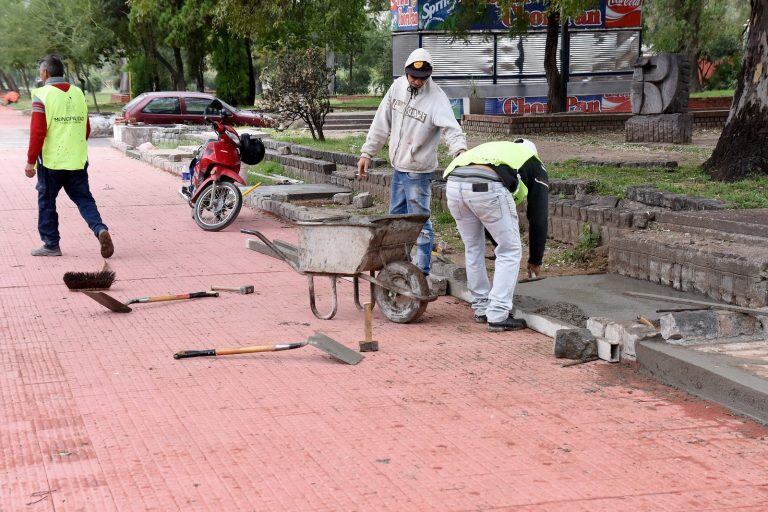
(273, 247)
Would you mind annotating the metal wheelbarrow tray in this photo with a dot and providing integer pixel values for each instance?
(354, 246)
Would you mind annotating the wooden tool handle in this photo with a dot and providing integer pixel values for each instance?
(258, 348)
(182, 296)
(242, 350)
(368, 318)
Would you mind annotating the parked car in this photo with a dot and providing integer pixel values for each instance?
(180, 107)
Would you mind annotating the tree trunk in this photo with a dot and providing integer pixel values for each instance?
(741, 149)
(25, 79)
(554, 80)
(200, 77)
(180, 82)
(93, 92)
(251, 98)
(173, 71)
(690, 11)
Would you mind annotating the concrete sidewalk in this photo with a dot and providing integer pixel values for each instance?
(95, 414)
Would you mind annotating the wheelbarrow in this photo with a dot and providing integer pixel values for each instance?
(357, 248)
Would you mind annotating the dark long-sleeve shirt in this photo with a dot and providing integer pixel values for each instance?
(534, 176)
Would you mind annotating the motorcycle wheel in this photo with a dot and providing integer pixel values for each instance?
(216, 213)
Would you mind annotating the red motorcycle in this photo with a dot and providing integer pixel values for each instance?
(214, 173)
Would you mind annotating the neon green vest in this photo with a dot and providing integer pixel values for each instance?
(497, 153)
(66, 114)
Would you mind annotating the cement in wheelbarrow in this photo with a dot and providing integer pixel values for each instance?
(354, 245)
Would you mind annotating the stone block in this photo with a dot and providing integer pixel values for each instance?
(575, 344)
(672, 128)
(437, 285)
(631, 335)
(280, 196)
(343, 198)
(364, 200)
(689, 324)
(731, 323)
(596, 325)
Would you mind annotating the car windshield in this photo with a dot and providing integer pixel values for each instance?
(134, 101)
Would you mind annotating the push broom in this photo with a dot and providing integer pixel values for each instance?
(80, 281)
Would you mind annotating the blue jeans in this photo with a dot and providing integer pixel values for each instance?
(75, 184)
(411, 192)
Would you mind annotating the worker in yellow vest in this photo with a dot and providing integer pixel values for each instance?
(484, 185)
(58, 154)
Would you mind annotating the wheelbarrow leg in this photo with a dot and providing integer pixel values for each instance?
(334, 302)
(356, 285)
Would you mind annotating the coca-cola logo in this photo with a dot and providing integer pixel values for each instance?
(623, 13)
(623, 6)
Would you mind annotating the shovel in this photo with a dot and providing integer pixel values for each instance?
(318, 340)
(115, 305)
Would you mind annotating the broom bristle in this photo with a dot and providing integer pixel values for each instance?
(89, 280)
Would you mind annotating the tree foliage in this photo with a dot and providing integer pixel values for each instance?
(230, 58)
(705, 31)
(296, 87)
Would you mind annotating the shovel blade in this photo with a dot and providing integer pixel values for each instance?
(108, 302)
(335, 349)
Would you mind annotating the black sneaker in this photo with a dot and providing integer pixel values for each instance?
(509, 324)
(481, 319)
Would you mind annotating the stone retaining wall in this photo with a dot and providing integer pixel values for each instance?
(570, 123)
(729, 273)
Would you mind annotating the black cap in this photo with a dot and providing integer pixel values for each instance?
(419, 69)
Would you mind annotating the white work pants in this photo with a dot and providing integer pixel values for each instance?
(494, 210)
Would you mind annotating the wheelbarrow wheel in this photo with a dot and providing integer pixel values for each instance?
(396, 307)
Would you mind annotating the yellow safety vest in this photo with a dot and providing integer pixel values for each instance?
(497, 153)
(66, 115)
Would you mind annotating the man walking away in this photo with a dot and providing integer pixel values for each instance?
(413, 114)
(478, 194)
(58, 143)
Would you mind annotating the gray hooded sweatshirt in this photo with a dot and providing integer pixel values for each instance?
(413, 122)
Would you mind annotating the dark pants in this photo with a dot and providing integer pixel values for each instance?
(75, 184)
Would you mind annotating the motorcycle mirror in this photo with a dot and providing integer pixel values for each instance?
(214, 108)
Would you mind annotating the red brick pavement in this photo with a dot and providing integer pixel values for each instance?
(96, 415)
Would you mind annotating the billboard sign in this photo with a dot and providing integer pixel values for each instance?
(586, 103)
(405, 15)
(432, 15)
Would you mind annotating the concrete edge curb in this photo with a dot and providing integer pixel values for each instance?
(703, 376)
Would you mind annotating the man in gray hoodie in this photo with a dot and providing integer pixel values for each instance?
(413, 115)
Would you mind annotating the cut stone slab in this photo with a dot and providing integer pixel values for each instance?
(345, 198)
(689, 324)
(302, 191)
(734, 375)
(575, 344)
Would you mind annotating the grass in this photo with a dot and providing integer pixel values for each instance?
(690, 180)
(102, 97)
(350, 144)
(588, 242)
(363, 101)
(265, 167)
(716, 93)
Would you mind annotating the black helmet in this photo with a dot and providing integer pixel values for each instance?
(251, 149)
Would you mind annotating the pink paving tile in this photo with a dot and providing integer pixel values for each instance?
(445, 417)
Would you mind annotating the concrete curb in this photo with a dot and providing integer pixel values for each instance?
(706, 376)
